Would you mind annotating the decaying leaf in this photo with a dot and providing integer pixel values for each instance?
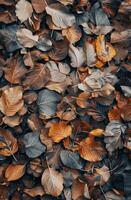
(8, 143)
(14, 172)
(104, 50)
(14, 70)
(33, 146)
(52, 181)
(11, 101)
(113, 135)
(59, 131)
(91, 150)
(37, 77)
(60, 14)
(73, 33)
(47, 102)
(23, 10)
(26, 38)
(35, 191)
(71, 159)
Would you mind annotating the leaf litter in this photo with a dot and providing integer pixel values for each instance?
(65, 100)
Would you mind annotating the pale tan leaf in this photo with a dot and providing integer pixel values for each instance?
(26, 38)
(35, 191)
(23, 10)
(52, 181)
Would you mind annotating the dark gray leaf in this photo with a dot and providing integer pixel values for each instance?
(44, 44)
(98, 16)
(8, 38)
(71, 159)
(33, 146)
(47, 102)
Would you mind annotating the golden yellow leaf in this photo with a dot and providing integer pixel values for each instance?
(59, 131)
(91, 150)
(14, 172)
(104, 50)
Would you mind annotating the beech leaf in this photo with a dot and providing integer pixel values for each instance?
(14, 172)
(33, 146)
(23, 10)
(52, 181)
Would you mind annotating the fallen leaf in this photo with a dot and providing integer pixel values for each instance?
(59, 50)
(47, 102)
(38, 5)
(122, 36)
(23, 10)
(58, 71)
(77, 56)
(44, 44)
(8, 143)
(73, 33)
(91, 150)
(59, 131)
(77, 190)
(82, 99)
(52, 181)
(114, 114)
(12, 121)
(26, 38)
(11, 101)
(71, 159)
(97, 132)
(14, 172)
(37, 77)
(60, 14)
(7, 18)
(33, 146)
(104, 50)
(14, 70)
(35, 191)
(90, 53)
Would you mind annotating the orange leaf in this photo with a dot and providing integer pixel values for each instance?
(14, 172)
(91, 150)
(114, 114)
(97, 132)
(9, 143)
(104, 50)
(11, 101)
(82, 99)
(59, 131)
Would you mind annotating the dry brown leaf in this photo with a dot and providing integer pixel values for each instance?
(37, 77)
(14, 172)
(114, 114)
(35, 191)
(104, 174)
(97, 132)
(126, 112)
(82, 99)
(52, 181)
(12, 121)
(77, 189)
(39, 5)
(73, 33)
(11, 101)
(104, 50)
(6, 17)
(91, 150)
(46, 140)
(121, 36)
(23, 10)
(14, 70)
(8, 143)
(59, 131)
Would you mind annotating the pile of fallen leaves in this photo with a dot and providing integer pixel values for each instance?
(65, 99)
